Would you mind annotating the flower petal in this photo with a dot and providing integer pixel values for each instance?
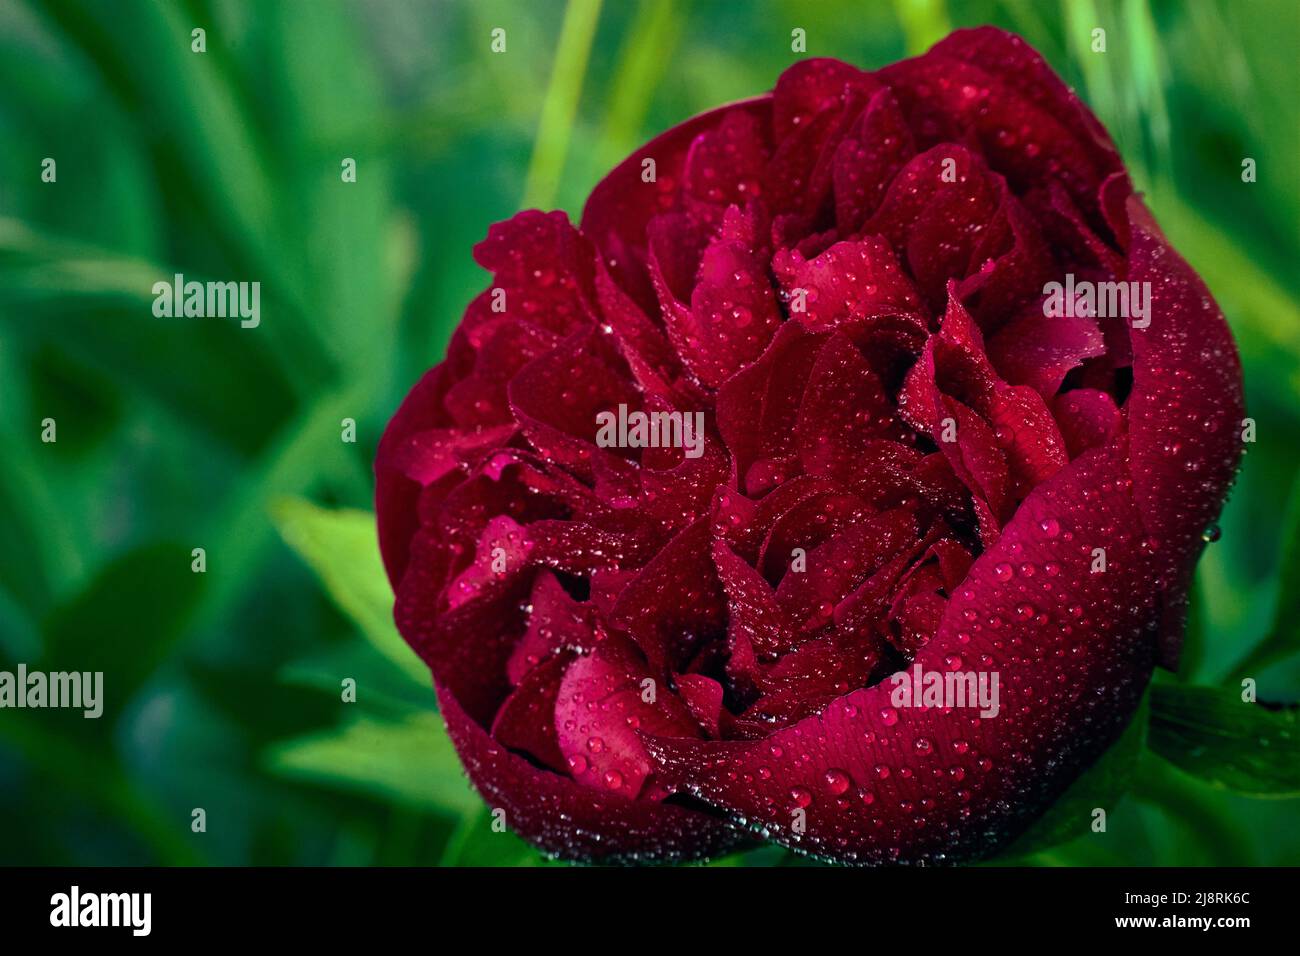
(1185, 412)
(879, 783)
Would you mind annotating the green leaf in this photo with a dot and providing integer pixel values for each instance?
(343, 549)
(1101, 785)
(148, 594)
(475, 843)
(1283, 639)
(409, 761)
(1217, 737)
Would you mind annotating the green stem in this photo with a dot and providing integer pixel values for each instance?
(561, 103)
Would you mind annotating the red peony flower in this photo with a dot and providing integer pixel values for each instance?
(964, 412)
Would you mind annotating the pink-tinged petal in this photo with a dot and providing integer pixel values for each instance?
(600, 712)
(878, 783)
(1088, 419)
(526, 721)
(1039, 351)
(507, 550)
(848, 281)
(1185, 412)
(502, 554)
(563, 817)
(623, 203)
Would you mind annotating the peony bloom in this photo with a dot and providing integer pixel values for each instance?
(939, 438)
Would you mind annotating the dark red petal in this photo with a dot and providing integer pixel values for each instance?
(644, 345)
(557, 397)
(879, 783)
(935, 214)
(1088, 418)
(545, 267)
(426, 456)
(1023, 425)
(703, 696)
(844, 407)
(557, 622)
(991, 87)
(503, 347)
(822, 669)
(974, 455)
(847, 281)
(503, 552)
(754, 614)
(1008, 265)
(954, 561)
(838, 565)
(725, 164)
(623, 203)
(813, 86)
(917, 617)
(566, 818)
(731, 312)
(758, 406)
(1039, 351)
(676, 602)
(1185, 412)
(526, 721)
(878, 145)
(805, 521)
(396, 494)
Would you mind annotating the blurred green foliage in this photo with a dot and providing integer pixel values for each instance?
(224, 688)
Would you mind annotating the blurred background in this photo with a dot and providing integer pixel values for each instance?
(223, 687)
